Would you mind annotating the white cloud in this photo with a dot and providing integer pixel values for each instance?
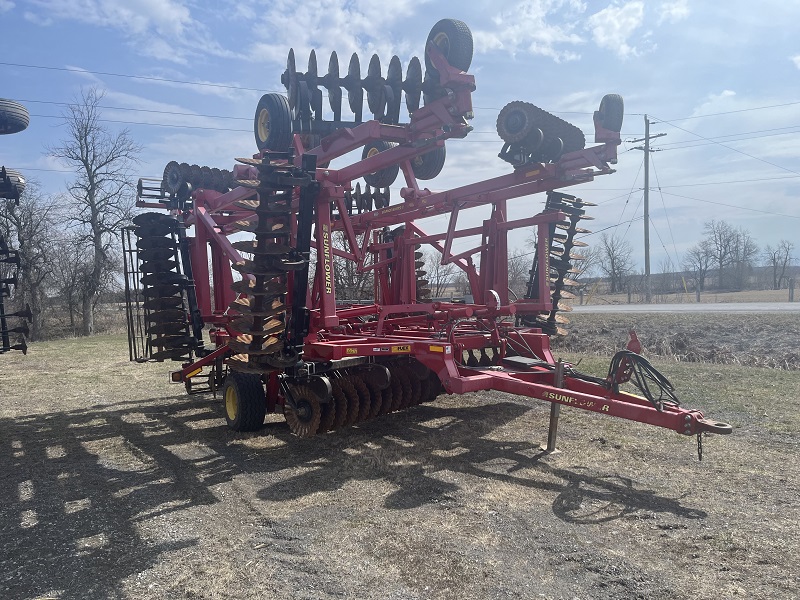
(526, 27)
(613, 26)
(796, 61)
(673, 11)
(163, 29)
(6, 5)
(356, 26)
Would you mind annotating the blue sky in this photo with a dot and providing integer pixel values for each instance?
(682, 62)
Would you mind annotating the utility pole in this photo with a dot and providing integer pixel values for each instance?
(646, 139)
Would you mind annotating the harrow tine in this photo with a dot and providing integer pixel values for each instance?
(374, 85)
(332, 84)
(23, 329)
(412, 86)
(25, 313)
(352, 83)
(21, 345)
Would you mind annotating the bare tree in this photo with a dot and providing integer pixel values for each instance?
(102, 193)
(350, 283)
(520, 264)
(698, 261)
(616, 260)
(721, 239)
(778, 259)
(440, 277)
(745, 251)
(30, 225)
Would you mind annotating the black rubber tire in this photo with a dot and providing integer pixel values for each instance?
(384, 177)
(611, 112)
(454, 39)
(248, 402)
(429, 165)
(16, 188)
(272, 124)
(13, 117)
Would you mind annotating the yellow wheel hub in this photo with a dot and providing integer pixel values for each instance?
(231, 403)
(442, 42)
(263, 124)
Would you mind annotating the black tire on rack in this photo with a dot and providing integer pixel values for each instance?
(611, 112)
(244, 401)
(384, 177)
(14, 191)
(13, 117)
(429, 165)
(454, 39)
(272, 124)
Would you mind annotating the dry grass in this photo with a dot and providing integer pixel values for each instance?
(117, 485)
(690, 297)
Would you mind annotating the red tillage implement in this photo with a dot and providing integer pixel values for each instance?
(282, 335)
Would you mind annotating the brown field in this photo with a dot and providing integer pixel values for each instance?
(118, 485)
(690, 297)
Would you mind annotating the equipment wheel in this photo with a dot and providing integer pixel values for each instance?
(273, 123)
(611, 112)
(516, 124)
(17, 187)
(305, 419)
(13, 117)
(454, 40)
(384, 177)
(244, 401)
(429, 165)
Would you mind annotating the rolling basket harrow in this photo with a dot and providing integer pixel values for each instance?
(13, 119)
(284, 221)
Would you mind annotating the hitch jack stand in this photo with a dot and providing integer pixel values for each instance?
(555, 411)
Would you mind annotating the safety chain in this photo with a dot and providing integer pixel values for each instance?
(700, 446)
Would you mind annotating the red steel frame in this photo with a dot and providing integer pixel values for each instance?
(434, 333)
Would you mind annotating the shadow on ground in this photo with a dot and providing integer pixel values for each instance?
(77, 486)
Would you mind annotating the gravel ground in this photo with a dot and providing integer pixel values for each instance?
(117, 485)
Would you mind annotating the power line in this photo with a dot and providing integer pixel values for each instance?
(730, 148)
(666, 216)
(145, 110)
(128, 76)
(765, 212)
(153, 124)
(730, 112)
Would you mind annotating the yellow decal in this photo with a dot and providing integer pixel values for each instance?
(327, 263)
(436, 348)
(571, 400)
(352, 350)
(533, 173)
(193, 373)
(401, 348)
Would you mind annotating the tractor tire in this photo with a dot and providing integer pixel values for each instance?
(272, 124)
(16, 187)
(384, 177)
(244, 401)
(13, 117)
(454, 39)
(611, 112)
(429, 165)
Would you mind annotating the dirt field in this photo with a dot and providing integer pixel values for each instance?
(115, 484)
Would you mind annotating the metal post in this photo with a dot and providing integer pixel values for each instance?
(555, 410)
(647, 289)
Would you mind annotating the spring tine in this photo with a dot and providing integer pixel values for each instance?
(25, 313)
(412, 86)
(358, 198)
(368, 198)
(332, 84)
(355, 95)
(23, 329)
